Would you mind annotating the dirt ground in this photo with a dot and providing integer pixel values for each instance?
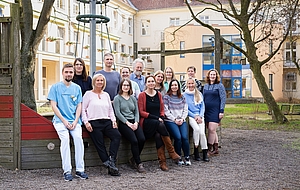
(249, 159)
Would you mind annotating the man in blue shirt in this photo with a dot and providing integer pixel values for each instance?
(65, 98)
(137, 75)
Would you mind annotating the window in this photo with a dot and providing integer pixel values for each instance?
(129, 25)
(75, 8)
(123, 23)
(115, 21)
(174, 21)
(290, 81)
(290, 51)
(271, 82)
(115, 45)
(270, 46)
(130, 53)
(145, 27)
(204, 19)
(60, 4)
(182, 47)
(60, 35)
(123, 54)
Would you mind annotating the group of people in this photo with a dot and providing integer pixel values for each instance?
(137, 107)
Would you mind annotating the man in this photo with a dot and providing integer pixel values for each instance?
(125, 72)
(138, 67)
(191, 71)
(112, 77)
(66, 98)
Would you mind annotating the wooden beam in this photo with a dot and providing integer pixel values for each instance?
(176, 52)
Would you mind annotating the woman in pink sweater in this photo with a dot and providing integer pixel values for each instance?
(99, 119)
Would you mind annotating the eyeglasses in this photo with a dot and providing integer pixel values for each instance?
(78, 64)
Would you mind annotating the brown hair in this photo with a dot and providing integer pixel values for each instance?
(68, 65)
(130, 92)
(149, 76)
(218, 78)
(173, 74)
(84, 72)
(160, 72)
(178, 90)
(191, 67)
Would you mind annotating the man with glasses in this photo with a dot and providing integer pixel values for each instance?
(112, 77)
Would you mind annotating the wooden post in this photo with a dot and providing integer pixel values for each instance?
(162, 57)
(16, 76)
(135, 50)
(217, 49)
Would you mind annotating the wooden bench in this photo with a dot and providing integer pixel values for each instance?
(295, 109)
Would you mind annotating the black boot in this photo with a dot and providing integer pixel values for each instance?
(205, 157)
(111, 166)
(196, 154)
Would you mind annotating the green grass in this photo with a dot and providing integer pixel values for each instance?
(254, 116)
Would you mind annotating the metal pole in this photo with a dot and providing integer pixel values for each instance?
(92, 38)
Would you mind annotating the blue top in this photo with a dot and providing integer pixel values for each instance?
(113, 79)
(67, 99)
(140, 81)
(194, 109)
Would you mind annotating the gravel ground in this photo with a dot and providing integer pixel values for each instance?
(249, 159)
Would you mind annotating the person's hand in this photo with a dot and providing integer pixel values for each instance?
(160, 119)
(73, 125)
(134, 126)
(221, 115)
(88, 127)
(198, 119)
(179, 122)
(115, 124)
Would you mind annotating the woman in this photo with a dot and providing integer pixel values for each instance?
(81, 77)
(176, 110)
(127, 112)
(159, 79)
(151, 109)
(214, 99)
(101, 122)
(169, 74)
(196, 110)
(125, 73)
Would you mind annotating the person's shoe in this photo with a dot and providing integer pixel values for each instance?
(196, 153)
(112, 169)
(187, 161)
(180, 162)
(205, 157)
(82, 175)
(140, 168)
(132, 163)
(68, 176)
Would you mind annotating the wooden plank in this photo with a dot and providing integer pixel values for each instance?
(5, 19)
(6, 128)
(6, 114)
(5, 144)
(6, 136)
(6, 121)
(6, 107)
(6, 99)
(5, 80)
(295, 109)
(6, 91)
(6, 159)
(8, 151)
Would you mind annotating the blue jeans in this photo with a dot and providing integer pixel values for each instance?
(180, 135)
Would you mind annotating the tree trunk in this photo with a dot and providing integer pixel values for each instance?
(27, 83)
(277, 115)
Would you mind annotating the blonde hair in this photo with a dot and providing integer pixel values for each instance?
(94, 80)
(197, 95)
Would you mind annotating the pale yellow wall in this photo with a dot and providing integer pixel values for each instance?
(192, 35)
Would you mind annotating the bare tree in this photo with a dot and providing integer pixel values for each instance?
(30, 40)
(272, 18)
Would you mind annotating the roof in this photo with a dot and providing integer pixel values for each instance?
(160, 4)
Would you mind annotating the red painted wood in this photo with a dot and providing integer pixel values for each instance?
(6, 114)
(6, 99)
(36, 127)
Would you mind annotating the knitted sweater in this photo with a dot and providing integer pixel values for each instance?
(175, 107)
(126, 109)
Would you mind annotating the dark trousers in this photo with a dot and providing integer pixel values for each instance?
(136, 139)
(101, 128)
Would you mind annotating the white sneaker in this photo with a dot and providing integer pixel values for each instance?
(187, 161)
(180, 162)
